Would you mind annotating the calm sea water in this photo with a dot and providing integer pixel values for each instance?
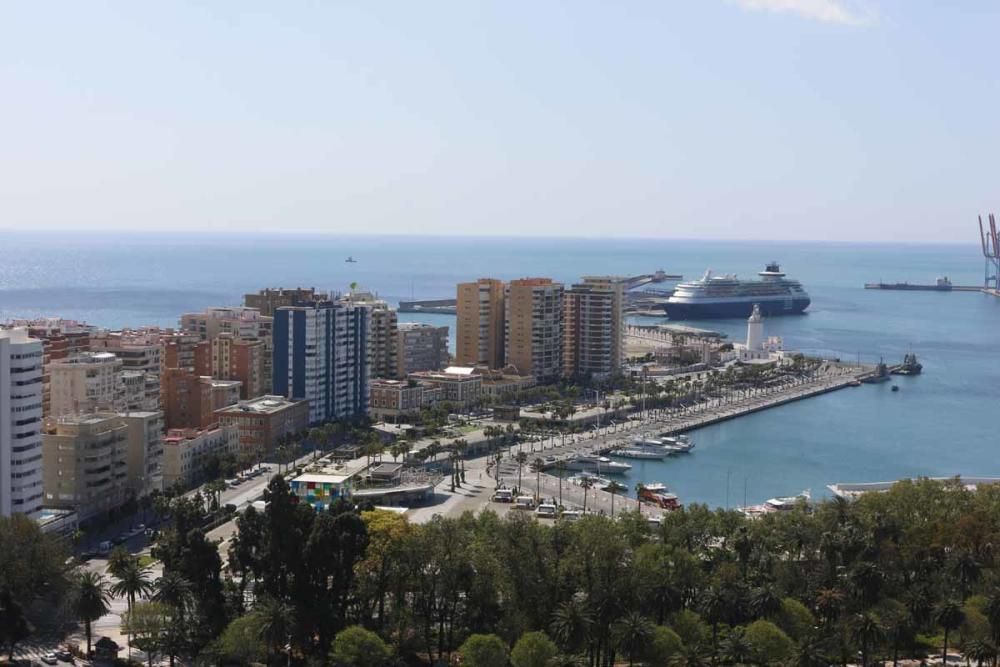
(944, 422)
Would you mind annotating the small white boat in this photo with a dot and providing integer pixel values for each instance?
(648, 454)
(596, 482)
(679, 443)
(598, 464)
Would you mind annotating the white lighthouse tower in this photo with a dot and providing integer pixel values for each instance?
(755, 330)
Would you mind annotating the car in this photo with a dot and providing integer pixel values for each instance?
(64, 655)
(50, 659)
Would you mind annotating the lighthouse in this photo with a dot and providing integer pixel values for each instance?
(755, 330)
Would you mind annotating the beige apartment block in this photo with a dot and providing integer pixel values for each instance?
(85, 463)
(533, 334)
(480, 324)
(421, 347)
(86, 383)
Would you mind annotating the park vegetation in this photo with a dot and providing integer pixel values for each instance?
(903, 574)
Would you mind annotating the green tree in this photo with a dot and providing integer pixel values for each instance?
(949, 616)
(91, 602)
(14, 626)
(632, 633)
(736, 648)
(484, 651)
(132, 582)
(148, 623)
(275, 626)
(663, 646)
(240, 642)
(571, 624)
(533, 649)
(769, 643)
(355, 646)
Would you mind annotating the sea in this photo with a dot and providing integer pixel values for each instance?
(944, 422)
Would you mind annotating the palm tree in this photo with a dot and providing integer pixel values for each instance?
(132, 581)
(631, 633)
(992, 611)
(867, 632)
(809, 653)
(981, 651)
(521, 458)
(275, 623)
(949, 616)
(585, 484)
(714, 605)
(571, 623)
(92, 600)
(614, 488)
(174, 590)
(736, 648)
(538, 463)
(764, 602)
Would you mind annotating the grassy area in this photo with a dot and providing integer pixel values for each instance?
(146, 560)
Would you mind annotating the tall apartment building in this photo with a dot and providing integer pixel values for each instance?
(267, 301)
(321, 355)
(239, 327)
(420, 347)
(594, 327)
(60, 339)
(139, 349)
(480, 324)
(144, 451)
(533, 333)
(382, 321)
(179, 349)
(86, 383)
(86, 463)
(190, 400)
(21, 362)
(141, 391)
(226, 357)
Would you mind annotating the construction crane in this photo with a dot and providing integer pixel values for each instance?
(991, 252)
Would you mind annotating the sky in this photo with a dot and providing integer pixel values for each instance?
(847, 120)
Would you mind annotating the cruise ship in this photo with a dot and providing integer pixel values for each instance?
(728, 296)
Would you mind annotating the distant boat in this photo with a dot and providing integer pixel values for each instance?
(351, 260)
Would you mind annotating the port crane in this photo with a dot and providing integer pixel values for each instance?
(991, 252)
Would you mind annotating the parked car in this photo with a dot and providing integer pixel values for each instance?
(64, 655)
(50, 659)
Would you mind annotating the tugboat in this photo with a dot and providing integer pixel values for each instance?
(656, 494)
(350, 260)
(910, 365)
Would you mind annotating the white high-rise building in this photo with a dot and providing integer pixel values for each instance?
(21, 488)
(321, 354)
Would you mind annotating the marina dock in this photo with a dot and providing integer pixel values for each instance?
(553, 448)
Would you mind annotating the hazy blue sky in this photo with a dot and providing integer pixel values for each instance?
(784, 119)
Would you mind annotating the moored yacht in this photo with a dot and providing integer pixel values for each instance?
(595, 463)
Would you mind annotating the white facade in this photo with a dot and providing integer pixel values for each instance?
(21, 484)
(755, 329)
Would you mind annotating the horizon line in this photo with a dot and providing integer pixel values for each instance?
(287, 233)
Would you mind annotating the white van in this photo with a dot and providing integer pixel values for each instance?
(546, 511)
(524, 502)
(503, 496)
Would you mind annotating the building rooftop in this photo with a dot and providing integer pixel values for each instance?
(88, 358)
(320, 479)
(261, 405)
